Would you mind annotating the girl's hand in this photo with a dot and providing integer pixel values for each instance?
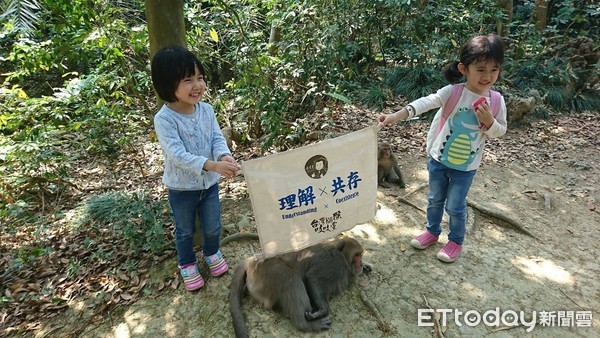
(228, 158)
(227, 168)
(384, 120)
(484, 115)
(387, 119)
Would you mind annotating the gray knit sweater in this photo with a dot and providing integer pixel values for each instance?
(187, 142)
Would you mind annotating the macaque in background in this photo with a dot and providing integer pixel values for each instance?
(388, 170)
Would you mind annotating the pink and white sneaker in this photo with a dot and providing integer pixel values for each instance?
(424, 240)
(449, 252)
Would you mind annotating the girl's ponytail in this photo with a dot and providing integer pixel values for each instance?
(452, 74)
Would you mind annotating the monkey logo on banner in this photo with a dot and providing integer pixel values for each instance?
(307, 195)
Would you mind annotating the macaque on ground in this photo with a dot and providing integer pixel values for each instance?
(298, 284)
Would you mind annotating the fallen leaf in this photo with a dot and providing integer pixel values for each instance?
(15, 286)
(109, 287)
(123, 276)
(34, 287)
(175, 283)
(126, 296)
(46, 273)
(19, 290)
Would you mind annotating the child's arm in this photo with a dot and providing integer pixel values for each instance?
(388, 119)
(417, 106)
(224, 167)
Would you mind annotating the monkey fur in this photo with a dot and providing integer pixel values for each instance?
(298, 284)
(387, 166)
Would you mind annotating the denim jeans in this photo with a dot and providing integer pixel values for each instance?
(185, 205)
(448, 187)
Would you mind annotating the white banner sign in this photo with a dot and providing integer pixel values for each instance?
(307, 195)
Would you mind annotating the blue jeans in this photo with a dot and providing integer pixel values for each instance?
(185, 205)
(448, 187)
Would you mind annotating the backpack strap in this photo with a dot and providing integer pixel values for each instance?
(457, 90)
(495, 98)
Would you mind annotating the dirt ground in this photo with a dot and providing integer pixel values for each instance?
(546, 177)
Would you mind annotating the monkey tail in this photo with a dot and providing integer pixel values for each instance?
(236, 292)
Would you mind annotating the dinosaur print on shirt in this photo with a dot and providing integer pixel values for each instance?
(457, 151)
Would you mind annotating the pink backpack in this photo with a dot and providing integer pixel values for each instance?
(457, 89)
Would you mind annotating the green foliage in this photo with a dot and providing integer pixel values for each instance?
(31, 162)
(345, 42)
(373, 96)
(413, 82)
(586, 100)
(73, 79)
(24, 14)
(541, 113)
(555, 97)
(337, 47)
(136, 217)
(26, 254)
(339, 97)
(558, 62)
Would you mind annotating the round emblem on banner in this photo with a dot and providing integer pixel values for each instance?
(316, 166)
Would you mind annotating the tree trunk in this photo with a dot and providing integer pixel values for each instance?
(540, 14)
(507, 5)
(274, 39)
(166, 26)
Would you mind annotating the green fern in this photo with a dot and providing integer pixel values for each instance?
(136, 216)
(555, 97)
(529, 75)
(414, 82)
(585, 101)
(541, 113)
(373, 96)
(23, 12)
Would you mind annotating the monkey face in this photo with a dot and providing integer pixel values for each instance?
(358, 260)
(385, 150)
(360, 267)
(358, 264)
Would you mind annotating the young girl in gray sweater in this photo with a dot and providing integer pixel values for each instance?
(195, 156)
